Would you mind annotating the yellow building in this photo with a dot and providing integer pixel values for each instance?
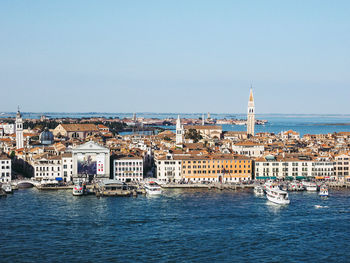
(216, 168)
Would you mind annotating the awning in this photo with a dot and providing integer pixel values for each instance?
(319, 177)
(58, 179)
(300, 177)
(266, 177)
(291, 178)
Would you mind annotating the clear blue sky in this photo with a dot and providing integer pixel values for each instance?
(175, 56)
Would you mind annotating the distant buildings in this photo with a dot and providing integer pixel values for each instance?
(75, 131)
(206, 131)
(248, 148)
(290, 135)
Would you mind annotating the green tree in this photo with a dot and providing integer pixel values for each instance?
(194, 135)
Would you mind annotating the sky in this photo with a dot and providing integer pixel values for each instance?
(175, 56)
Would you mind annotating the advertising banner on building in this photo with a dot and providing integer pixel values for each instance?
(100, 164)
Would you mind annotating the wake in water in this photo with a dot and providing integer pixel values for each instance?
(320, 206)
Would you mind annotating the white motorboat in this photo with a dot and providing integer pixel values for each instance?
(323, 191)
(277, 196)
(310, 186)
(152, 188)
(7, 188)
(258, 190)
(78, 189)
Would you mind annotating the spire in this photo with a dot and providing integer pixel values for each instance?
(18, 115)
(178, 122)
(251, 98)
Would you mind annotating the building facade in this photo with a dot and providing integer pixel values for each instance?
(248, 148)
(168, 168)
(67, 167)
(90, 161)
(297, 167)
(128, 169)
(47, 170)
(342, 166)
(223, 168)
(5, 169)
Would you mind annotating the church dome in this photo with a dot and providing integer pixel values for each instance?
(46, 137)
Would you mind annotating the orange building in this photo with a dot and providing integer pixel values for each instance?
(216, 168)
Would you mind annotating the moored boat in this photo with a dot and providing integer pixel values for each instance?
(78, 189)
(258, 190)
(152, 188)
(323, 191)
(310, 186)
(7, 188)
(277, 196)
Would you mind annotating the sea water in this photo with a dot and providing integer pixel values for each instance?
(179, 226)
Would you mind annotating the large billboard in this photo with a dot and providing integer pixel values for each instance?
(87, 164)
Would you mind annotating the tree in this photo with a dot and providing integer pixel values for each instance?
(194, 135)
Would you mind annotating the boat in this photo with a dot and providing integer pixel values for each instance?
(7, 188)
(323, 191)
(152, 188)
(310, 186)
(78, 189)
(258, 190)
(277, 196)
(270, 185)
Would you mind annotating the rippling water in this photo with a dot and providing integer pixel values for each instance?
(180, 226)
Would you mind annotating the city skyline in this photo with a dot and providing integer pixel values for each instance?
(194, 56)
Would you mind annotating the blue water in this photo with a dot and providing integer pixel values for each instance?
(180, 226)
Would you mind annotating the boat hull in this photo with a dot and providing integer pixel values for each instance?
(277, 201)
(311, 188)
(157, 192)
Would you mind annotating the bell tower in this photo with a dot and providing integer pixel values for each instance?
(19, 130)
(251, 114)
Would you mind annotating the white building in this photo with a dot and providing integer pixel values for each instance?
(47, 169)
(303, 167)
(19, 130)
(342, 166)
(67, 167)
(169, 168)
(90, 161)
(290, 135)
(5, 169)
(7, 128)
(248, 148)
(271, 166)
(251, 115)
(128, 169)
(323, 168)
